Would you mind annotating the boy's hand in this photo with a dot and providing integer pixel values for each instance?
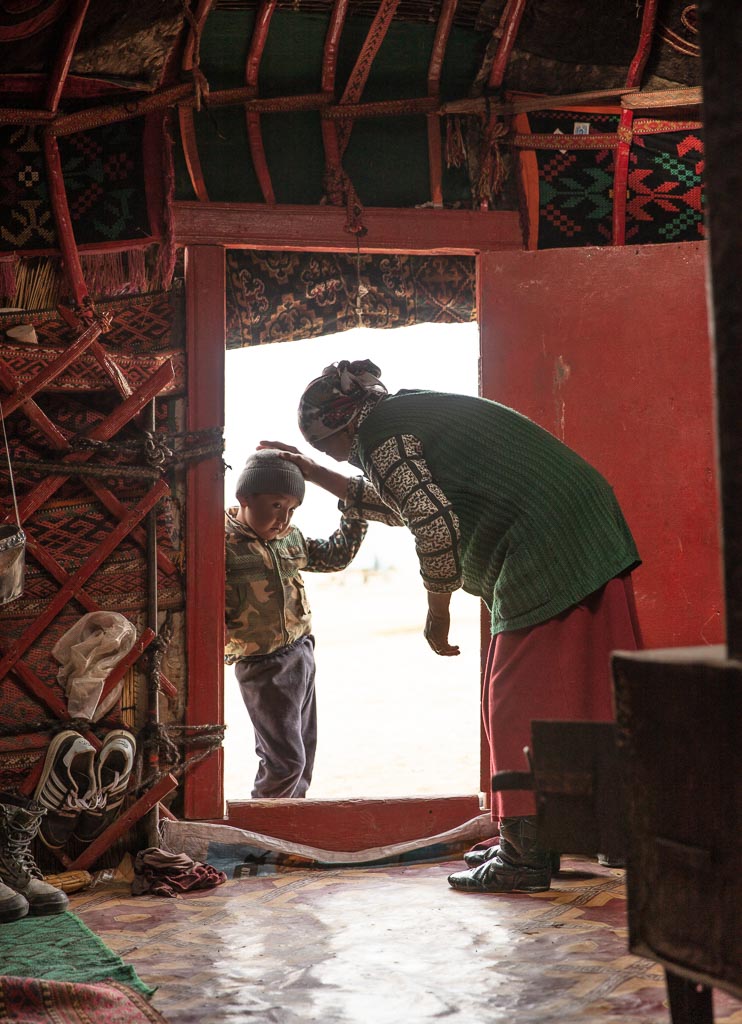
(306, 465)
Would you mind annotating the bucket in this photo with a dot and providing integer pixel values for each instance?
(12, 562)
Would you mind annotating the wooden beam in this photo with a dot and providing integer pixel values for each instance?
(205, 340)
(330, 139)
(322, 228)
(509, 25)
(644, 46)
(359, 75)
(252, 68)
(435, 154)
(58, 77)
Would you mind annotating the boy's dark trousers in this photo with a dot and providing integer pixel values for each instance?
(278, 691)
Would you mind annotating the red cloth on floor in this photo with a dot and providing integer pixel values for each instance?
(162, 873)
(558, 670)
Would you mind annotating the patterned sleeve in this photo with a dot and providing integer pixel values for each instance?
(403, 479)
(363, 501)
(337, 551)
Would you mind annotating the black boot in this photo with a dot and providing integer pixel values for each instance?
(473, 858)
(520, 863)
(19, 825)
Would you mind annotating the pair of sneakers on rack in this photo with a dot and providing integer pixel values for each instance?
(83, 789)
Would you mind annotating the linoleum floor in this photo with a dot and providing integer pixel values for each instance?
(389, 945)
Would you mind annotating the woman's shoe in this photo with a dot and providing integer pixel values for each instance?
(518, 864)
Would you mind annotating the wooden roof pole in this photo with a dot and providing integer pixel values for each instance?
(186, 118)
(508, 27)
(621, 164)
(435, 155)
(63, 58)
(330, 138)
(361, 69)
(252, 67)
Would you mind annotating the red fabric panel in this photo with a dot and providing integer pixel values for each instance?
(558, 671)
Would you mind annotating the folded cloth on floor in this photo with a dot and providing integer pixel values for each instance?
(162, 873)
(36, 1001)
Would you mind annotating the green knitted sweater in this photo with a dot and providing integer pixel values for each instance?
(540, 528)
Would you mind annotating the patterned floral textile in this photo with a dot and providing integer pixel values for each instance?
(285, 296)
(666, 195)
(569, 194)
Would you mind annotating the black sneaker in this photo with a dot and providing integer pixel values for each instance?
(113, 765)
(66, 787)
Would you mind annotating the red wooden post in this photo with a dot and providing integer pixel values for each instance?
(205, 318)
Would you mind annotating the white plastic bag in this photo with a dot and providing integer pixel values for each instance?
(87, 652)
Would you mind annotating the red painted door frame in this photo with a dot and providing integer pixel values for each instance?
(349, 823)
(205, 336)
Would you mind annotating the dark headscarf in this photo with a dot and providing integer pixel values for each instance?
(334, 399)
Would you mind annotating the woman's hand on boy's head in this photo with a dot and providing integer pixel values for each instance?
(279, 445)
(306, 465)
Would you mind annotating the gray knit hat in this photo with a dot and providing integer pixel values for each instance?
(266, 472)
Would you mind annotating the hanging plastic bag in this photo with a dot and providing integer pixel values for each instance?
(87, 652)
(12, 562)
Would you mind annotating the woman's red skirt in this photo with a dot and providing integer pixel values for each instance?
(558, 670)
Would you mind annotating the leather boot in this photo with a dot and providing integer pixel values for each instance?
(19, 825)
(473, 858)
(13, 906)
(520, 863)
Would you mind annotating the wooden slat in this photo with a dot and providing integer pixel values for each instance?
(189, 142)
(252, 69)
(74, 585)
(63, 221)
(621, 160)
(57, 79)
(359, 75)
(102, 431)
(330, 140)
(123, 823)
(186, 118)
(435, 148)
(117, 508)
(510, 23)
(643, 49)
(21, 395)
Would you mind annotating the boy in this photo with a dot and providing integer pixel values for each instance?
(268, 619)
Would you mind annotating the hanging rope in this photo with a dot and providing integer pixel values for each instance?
(340, 191)
(361, 289)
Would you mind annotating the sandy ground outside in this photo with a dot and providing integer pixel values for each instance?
(394, 718)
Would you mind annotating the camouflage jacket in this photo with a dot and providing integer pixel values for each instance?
(266, 605)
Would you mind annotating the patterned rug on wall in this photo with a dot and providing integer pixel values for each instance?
(286, 296)
(568, 193)
(105, 178)
(71, 522)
